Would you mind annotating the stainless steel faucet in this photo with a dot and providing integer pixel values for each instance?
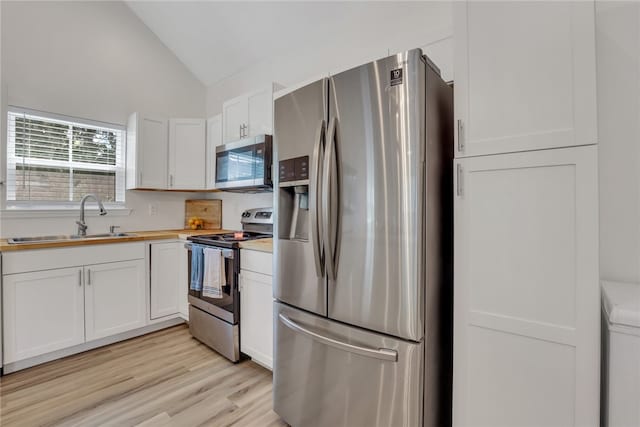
(82, 226)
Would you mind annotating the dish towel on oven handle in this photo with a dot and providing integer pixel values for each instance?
(196, 267)
(214, 273)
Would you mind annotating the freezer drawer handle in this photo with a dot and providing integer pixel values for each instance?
(379, 353)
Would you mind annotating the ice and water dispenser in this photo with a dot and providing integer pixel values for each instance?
(294, 199)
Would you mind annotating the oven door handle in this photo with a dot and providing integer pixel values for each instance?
(227, 253)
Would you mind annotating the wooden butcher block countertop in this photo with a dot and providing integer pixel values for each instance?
(262, 245)
(137, 236)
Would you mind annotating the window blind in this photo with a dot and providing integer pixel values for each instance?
(55, 160)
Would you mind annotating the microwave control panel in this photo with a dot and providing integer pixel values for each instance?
(296, 169)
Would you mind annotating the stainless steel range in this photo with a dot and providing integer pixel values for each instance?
(216, 321)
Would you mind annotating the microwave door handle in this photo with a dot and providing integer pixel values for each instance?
(315, 200)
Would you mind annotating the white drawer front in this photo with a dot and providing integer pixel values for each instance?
(259, 262)
(47, 259)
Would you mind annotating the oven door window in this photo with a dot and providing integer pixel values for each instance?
(227, 302)
(236, 165)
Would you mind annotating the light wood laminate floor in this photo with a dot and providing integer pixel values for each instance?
(166, 378)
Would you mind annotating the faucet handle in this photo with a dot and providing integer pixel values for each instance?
(112, 229)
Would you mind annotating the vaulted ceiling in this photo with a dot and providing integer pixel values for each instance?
(218, 39)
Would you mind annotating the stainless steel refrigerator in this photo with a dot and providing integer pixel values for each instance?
(363, 247)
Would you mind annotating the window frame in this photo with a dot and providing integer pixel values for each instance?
(62, 205)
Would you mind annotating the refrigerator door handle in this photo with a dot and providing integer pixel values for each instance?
(330, 200)
(315, 212)
(376, 353)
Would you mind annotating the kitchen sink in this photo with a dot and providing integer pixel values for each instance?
(63, 237)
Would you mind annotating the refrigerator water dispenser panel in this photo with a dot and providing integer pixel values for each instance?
(294, 213)
(294, 169)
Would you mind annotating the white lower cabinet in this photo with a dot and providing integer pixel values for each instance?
(166, 279)
(183, 282)
(256, 307)
(58, 308)
(526, 292)
(256, 317)
(43, 312)
(114, 298)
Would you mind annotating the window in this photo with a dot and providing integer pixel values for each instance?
(56, 160)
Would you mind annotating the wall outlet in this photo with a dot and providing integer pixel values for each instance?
(153, 210)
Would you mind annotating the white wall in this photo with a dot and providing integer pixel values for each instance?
(432, 33)
(94, 60)
(618, 78)
(357, 46)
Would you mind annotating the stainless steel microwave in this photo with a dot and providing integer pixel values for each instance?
(245, 165)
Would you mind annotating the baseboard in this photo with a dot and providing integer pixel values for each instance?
(59, 354)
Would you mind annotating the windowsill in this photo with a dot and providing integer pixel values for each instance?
(59, 212)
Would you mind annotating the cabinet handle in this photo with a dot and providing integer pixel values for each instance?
(89, 276)
(171, 180)
(80, 278)
(459, 180)
(460, 136)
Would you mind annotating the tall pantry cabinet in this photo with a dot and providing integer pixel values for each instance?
(526, 286)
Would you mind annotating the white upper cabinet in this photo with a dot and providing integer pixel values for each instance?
(147, 152)
(527, 296)
(234, 113)
(524, 76)
(248, 115)
(214, 139)
(187, 150)
(114, 298)
(260, 112)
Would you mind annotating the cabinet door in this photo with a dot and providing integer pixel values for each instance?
(526, 292)
(187, 150)
(214, 139)
(147, 152)
(43, 312)
(260, 112)
(256, 317)
(166, 281)
(519, 87)
(114, 298)
(183, 283)
(234, 116)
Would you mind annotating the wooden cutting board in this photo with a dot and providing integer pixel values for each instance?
(209, 210)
